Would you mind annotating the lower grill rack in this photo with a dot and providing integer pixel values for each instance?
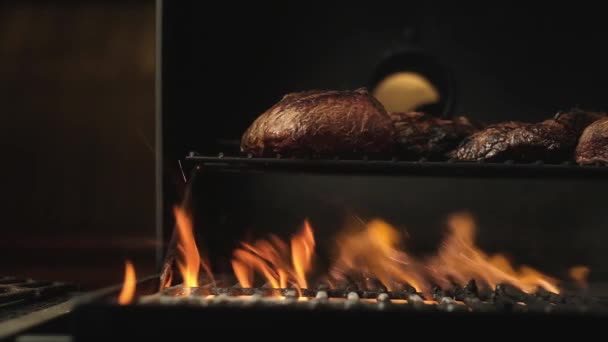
(504, 298)
(181, 312)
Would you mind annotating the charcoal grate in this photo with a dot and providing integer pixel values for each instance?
(469, 298)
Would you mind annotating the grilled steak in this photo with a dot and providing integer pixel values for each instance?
(316, 123)
(593, 145)
(421, 135)
(551, 140)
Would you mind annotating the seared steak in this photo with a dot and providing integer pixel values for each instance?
(317, 123)
(423, 135)
(593, 144)
(551, 140)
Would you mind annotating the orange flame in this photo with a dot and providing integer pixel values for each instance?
(128, 288)
(302, 250)
(190, 261)
(270, 258)
(460, 260)
(374, 251)
(580, 274)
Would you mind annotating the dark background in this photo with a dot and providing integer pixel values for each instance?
(77, 139)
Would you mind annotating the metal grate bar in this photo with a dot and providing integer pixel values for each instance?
(395, 166)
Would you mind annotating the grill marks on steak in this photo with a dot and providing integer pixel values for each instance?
(321, 123)
(593, 144)
(422, 135)
(551, 140)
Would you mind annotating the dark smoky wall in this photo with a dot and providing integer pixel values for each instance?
(77, 139)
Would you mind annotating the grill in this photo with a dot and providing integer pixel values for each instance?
(178, 311)
(503, 299)
(278, 61)
(26, 303)
(16, 293)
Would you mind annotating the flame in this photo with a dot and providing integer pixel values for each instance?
(271, 258)
(190, 261)
(302, 250)
(374, 251)
(579, 274)
(368, 252)
(242, 271)
(460, 260)
(128, 288)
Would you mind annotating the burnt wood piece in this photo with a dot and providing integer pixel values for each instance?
(592, 147)
(419, 135)
(321, 123)
(551, 140)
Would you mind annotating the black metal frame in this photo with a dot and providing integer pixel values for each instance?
(398, 167)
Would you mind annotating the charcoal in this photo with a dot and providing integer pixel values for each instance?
(575, 300)
(353, 284)
(485, 293)
(519, 308)
(373, 284)
(470, 290)
(539, 306)
(549, 296)
(404, 287)
(505, 304)
(479, 306)
(509, 291)
(458, 292)
(438, 293)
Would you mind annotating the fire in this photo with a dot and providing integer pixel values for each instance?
(128, 288)
(190, 261)
(580, 274)
(373, 251)
(460, 260)
(302, 250)
(270, 258)
(367, 253)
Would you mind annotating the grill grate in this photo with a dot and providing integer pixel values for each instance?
(19, 296)
(396, 166)
(503, 299)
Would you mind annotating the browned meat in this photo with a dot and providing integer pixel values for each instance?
(321, 123)
(551, 140)
(593, 145)
(422, 135)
